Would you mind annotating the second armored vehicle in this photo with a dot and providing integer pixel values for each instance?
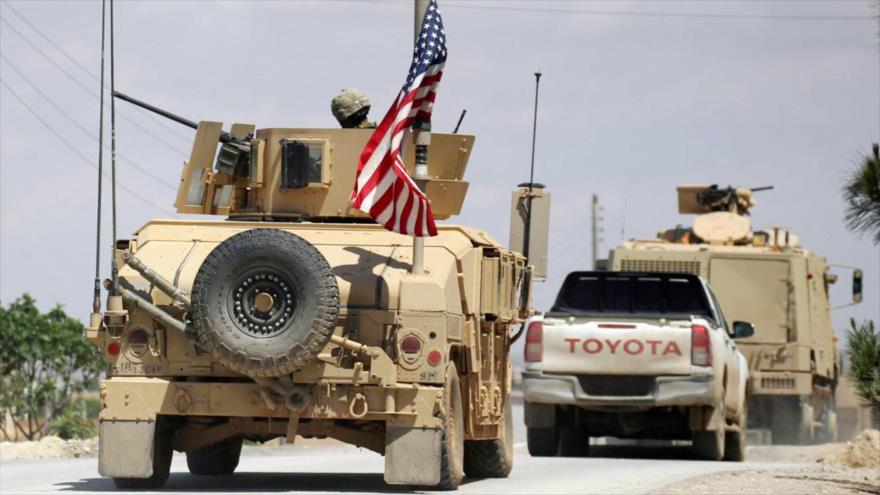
(766, 278)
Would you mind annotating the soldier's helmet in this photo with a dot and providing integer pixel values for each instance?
(349, 103)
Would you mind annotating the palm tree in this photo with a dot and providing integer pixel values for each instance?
(862, 195)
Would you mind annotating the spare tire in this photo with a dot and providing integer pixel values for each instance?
(265, 302)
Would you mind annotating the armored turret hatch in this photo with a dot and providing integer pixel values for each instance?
(302, 173)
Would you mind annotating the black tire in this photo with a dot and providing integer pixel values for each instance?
(709, 445)
(542, 442)
(291, 276)
(452, 440)
(574, 440)
(491, 458)
(735, 441)
(163, 442)
(219, 459)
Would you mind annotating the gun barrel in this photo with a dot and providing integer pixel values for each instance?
(762, 188)
(157, 110)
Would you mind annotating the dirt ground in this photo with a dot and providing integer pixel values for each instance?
(49, 448)
(835, 469)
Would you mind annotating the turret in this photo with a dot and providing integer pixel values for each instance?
(298, 174)
(722, 218)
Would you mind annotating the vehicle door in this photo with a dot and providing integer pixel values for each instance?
(727, 352)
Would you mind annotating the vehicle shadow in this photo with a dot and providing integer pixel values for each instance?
(254, 482)
(678, 452)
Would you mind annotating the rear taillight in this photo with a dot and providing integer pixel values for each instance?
(701, 347)
(534, 351)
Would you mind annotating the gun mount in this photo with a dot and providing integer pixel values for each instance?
(722, 214)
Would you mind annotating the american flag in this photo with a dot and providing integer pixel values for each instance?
(383, 189)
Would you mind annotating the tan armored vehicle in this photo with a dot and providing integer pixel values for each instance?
(766, 278)
(299, 316)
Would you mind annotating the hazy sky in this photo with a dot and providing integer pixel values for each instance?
(631, 105)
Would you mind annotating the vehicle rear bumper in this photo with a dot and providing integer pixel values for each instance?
(144, 398)
(691, 390)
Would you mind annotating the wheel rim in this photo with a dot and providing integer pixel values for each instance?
(261, 302)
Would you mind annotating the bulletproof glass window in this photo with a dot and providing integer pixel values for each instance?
(301, 163)
(223, 196)
(195, 194)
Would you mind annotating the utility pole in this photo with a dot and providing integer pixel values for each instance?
(596, 218)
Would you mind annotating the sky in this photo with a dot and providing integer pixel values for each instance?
(635, 97)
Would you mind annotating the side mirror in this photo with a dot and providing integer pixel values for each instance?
(743, 329)
(857, 286)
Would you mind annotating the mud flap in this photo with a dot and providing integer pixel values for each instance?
(125, 449)
(412, 456)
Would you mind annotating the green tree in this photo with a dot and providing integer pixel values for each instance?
(44, 362)
(862, 195)
(863, 349)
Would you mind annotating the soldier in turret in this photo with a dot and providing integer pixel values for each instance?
(350, 107)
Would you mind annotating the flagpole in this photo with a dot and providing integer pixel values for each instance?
(422, 131)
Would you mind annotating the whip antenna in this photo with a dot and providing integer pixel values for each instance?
(96, 302)
(114, 288)
(528, 227)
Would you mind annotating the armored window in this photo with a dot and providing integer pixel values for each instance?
(302, 164)
(195, 194)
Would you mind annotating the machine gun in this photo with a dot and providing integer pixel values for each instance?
(235, 154)
(732, 199)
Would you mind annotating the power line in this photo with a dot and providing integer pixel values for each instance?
(84, 68)
(659, 14)
(86, 88)
(78, 125)
(72, 148)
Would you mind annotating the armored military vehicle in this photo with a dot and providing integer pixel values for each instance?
(767, 278)
(297, 315)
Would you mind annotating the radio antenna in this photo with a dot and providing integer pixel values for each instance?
(96, 302)
(114, 269)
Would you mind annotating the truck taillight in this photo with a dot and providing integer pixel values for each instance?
(534, 351)
(701, 347)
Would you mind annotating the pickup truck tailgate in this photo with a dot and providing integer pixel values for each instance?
(616, 348)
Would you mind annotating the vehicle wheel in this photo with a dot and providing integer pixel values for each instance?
(542, 442)
(491, 458)
(831, 426)
(452, 440)
(735, 441)
(219, 459)
(163, 441)
(265, 302)
(709, 445)
(574, 440)
(807, 432)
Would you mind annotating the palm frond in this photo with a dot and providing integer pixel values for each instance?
(861, 192)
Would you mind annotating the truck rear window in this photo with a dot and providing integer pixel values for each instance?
(617, 293)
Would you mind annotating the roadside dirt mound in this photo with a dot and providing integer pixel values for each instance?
(862, 451)
(49, 448)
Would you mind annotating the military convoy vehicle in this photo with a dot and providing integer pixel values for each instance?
(764, 277)
(297, 315)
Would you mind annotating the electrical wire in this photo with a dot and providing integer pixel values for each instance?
(85, 69)
(659, 14)
(88, 89)
(72, 148)
(81, 127)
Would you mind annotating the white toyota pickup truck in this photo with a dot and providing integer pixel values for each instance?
(635, 355)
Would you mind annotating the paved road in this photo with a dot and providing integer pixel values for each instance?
(338, 468)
